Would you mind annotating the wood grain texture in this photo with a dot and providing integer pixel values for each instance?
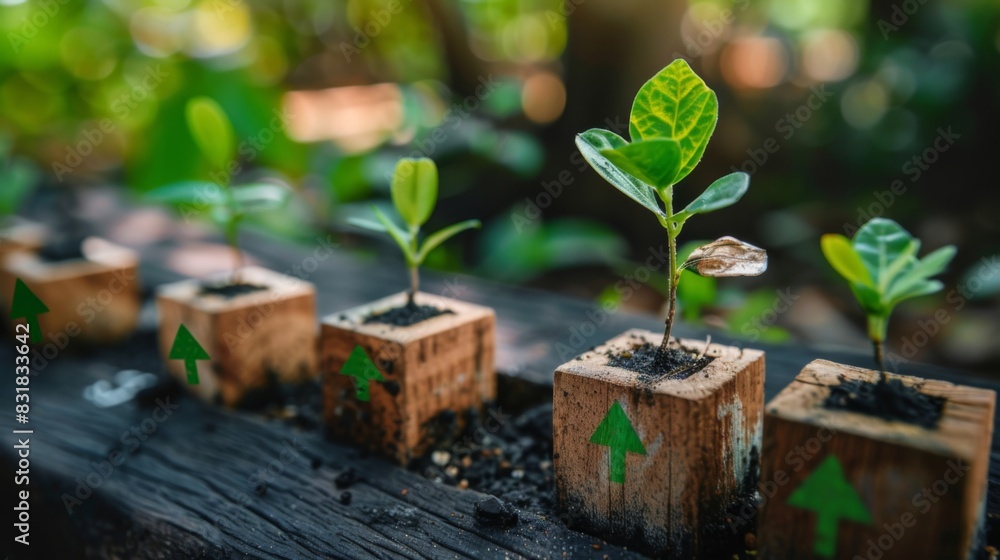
(211, 483)
(700, 434)
(254, 340)
(94, 300)
(445, 363)
(925, 488)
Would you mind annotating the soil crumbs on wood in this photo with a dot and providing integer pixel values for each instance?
(890, 400)
(230, 291)
(406, 315)
(678, 363)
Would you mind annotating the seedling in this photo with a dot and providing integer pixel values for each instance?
(673, 117)
(228, 205)
(882, 268)
(414, 194)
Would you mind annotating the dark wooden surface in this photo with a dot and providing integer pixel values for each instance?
(185, 493)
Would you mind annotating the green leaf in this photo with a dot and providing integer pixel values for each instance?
(676, 103)
(654, 161)
(401, 237)
(211, 130)
(367, 224)
(931, 265)
(724, 192)
(260, 197)
(591, 143)
(414, 189)
(443, 235)
(186, 192)
(840, 254)
(916, 289)
(886, 249)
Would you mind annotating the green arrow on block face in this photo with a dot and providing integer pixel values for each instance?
(187, 348)
(27, 306)
(363, 370)
(616, 433)
(832, 497)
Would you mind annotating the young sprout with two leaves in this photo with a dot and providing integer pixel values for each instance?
(882, 268)
(414, 194)
(673, 117)
(228, 205)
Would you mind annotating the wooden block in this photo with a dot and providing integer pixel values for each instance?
(254, 340)
(445, 363)
(701, 436)
(924, 489)
(18, 234)
(91, 300)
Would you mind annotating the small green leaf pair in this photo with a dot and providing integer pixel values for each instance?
(227, 205)
(414, 194)
(672, 119)
(882, 268)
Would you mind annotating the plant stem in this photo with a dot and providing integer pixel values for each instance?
(414, 286)
(877, 345)
(672, 278)
(877, 327)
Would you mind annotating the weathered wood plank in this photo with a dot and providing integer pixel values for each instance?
(184, 493)
(207, 483)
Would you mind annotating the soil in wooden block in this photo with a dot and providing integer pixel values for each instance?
(876, 479)
(406, 315)
(396, 389)
(654, 460)
(889, 399)
(93, 296)
(259, 334)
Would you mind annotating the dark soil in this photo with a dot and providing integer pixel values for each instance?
(230, 291)
(890, 400)
(406, 315)
(677, 363)
(62, 248)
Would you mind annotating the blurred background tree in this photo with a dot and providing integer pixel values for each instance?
(841, 111)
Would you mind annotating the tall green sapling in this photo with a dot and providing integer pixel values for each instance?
(414, 194)
(228, 205)
(882, 268)
(673, 117)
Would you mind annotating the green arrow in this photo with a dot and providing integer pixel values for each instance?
(363, 370)
(617, 433)
(27, 306)
(187, 348)
(832, 497)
